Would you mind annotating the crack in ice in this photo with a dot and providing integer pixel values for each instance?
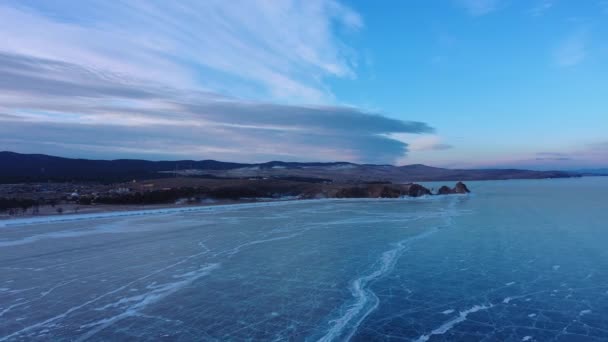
(78, 307)
(445, 327)
(365, 299)
(144, 300)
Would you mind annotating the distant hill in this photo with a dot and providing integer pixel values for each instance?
(349, 172)
(37, 167)
(593, 172)
(16, 167)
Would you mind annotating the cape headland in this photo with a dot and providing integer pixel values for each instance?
(35, 184)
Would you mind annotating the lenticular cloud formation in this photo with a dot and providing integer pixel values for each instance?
(57, 106)
(155, 85)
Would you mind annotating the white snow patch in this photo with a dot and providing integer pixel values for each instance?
(342, 167)
(250, 168)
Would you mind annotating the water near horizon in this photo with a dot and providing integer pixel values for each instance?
(514, 261)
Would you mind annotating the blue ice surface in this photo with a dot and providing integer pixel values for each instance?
(513, 261)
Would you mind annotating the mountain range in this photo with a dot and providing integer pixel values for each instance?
(17, 167)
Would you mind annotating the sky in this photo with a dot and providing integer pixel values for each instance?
(449, 83)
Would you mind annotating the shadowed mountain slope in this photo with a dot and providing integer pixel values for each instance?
(16, 167)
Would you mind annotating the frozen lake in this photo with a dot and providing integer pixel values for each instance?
(514, 261)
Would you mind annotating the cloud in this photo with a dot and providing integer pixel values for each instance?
(601, 146)
(603, 4)
(572, 50)
(551, 154)
(595, 153)
(165, 80)
(170, 142)
(424, 143)
(480, 7)
(44, 77)
(541, 8)
(277, 50)
(50, 105)
(553, 158)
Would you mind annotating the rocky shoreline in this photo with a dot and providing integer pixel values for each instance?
(195, 192)
(383, 191)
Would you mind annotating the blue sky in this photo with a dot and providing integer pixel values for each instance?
(462, 83)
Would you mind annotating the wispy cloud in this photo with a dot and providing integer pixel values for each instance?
(541, 8)
(46, 104)
(602, 145)
(281, 50)
(166, 80)
(572, 50)
(603, 4)
(422, 143)
(553, 156)
(480, 7)
(581, 156)
(600, 148)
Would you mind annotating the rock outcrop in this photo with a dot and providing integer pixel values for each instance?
(444, 190)
(459, 188)
(305, 190)
(417, 190)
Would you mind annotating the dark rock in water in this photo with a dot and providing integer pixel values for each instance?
(444, 190)
(460, 188)
(417, 190)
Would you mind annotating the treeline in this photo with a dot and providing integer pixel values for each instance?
(151, 197)
(15, 206)
(197, 193)
(260, 189)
